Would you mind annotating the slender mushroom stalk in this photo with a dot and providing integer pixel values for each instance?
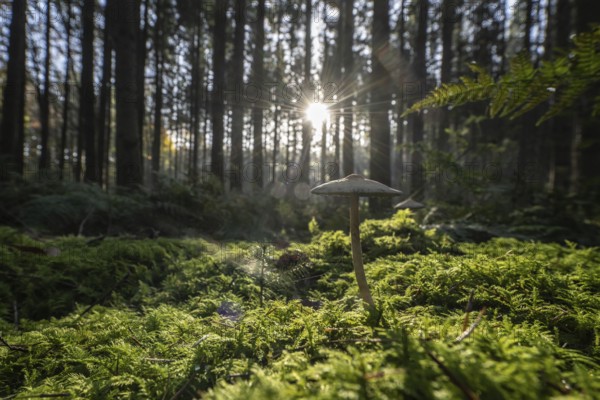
(354, 186)
(357, 261)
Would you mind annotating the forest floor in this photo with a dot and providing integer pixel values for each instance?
(122, 317)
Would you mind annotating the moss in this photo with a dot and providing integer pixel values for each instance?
(188, 320)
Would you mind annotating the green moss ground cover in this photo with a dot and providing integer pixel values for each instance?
(182, 318)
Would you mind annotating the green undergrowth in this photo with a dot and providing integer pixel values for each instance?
(503, 319)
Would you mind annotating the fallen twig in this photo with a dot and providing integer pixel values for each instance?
(184, 387)
(81, 225)
(457, 382)
(243, 375)
(160, 360)
(37, 396)
(10, 347)
(135, 339)
(471, 329)
(104, 296)
(468, 309)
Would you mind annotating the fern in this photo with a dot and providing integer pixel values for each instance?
(560, 82)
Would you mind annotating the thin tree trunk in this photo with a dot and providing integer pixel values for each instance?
(129, 147)
(141, 74)
(306, 124)
(420, 71)
(588, 16)
(195, 97)
(324, 152)
(348, 95)
(379, 162)
(104, 101)
(277, 117)
(237, 129)
(158, 97)
(87, 128)
(12, 128)
(448, 18)
(529, 132)
(218, 106)
(258, 77)
(288, 141)
(45, 98)
(562, 133)
(67, 84)
(399, 160)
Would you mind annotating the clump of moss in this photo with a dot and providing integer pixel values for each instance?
(400, 234)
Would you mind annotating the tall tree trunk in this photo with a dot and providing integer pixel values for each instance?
(258, 78)
(195, 52)
(45, 99)
(218, 106)
(288, 140)
(588, 15)
(142, 37)
(87, 126)
(12, 128)
(448, 18)
(306, 124)
(420, 71)
(278, 78)
(237, 130)
(348, 94)
(379, 162)
(67, 85)
(158, 97)
(400, 98)
(323, 158)
(529, 133)
(335, 110)
(562, 130)
(104, 101)
(129, 147)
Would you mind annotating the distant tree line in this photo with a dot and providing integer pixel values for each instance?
(125, 93)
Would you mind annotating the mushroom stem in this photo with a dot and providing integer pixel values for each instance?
(357, 261)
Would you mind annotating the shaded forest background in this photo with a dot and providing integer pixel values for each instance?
(197, 110)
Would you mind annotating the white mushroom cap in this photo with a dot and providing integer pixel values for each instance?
(355, 185)
(409, 204)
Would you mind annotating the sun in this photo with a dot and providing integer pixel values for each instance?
(317, 113)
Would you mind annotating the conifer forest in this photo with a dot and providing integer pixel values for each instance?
(300, 199)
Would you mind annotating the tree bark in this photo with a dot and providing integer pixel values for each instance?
(158, 96)
(218, 106)
(129, 147)
(237, 130)
(306, 125)
(44, 164)
(348, 94)
(87, 128)
(142, 38)
(104, 101)
(195, 90)
(588, 15)
(379, 162)
(448, 18)
(380, 95)
(67, 85)
(12, 128)
(416, 120)
(258, 78)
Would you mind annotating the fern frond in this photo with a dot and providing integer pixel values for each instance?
(524, 87)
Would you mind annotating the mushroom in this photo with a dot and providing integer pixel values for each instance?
(409, 204)
(354, 186)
